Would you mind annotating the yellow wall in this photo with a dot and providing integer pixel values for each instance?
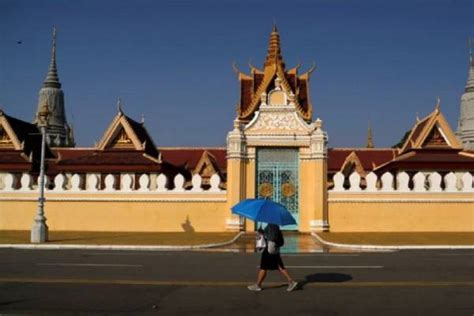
(400, 213)
(127, 213)
(313, 194)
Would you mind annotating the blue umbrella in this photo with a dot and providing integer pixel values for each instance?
(262, 210)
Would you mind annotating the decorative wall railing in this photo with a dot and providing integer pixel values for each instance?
(403, 182)
(121, 183)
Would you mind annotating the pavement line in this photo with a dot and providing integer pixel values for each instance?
(387, 247)
(335, 267)
(128, 254)
(91, 265)
(317, 255)
(241, 283)
(457, 254)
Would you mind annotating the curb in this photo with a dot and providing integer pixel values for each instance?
(388, 248)
(119, 247)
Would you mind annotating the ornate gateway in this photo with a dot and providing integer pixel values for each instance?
(277, 178)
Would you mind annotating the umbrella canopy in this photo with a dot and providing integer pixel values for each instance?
(262, 210)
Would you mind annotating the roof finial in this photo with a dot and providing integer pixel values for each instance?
(438, 104)
(119, 106)
(417, 117)
(52, 79)
(274, 50)
(370, 141)
(142, 119)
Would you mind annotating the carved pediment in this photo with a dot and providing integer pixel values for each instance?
(278, 122)
(8, 137)
(5, 140)
(435, 139)
(278, 115)
(121, 140)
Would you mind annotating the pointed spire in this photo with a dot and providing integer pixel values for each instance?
(52, 79)
(274, 50)
(438, 104)
(370, 142)
(470, 79)
(119, 106)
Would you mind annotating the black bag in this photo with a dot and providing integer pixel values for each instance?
(280, 240)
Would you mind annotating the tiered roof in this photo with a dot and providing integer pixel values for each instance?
(262, 81)
(431, 145)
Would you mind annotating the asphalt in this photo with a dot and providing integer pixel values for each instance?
(71, 282)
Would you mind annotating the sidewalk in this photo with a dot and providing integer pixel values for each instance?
(119, 240)
(418, 240)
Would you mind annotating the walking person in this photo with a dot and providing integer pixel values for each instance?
(271, 259)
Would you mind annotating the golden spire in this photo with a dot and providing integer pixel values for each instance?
(370, 142)
(274, 50)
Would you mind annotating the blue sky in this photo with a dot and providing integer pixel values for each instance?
(171, 61)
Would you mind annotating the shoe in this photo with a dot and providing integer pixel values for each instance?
(254, 287)
(292, 286)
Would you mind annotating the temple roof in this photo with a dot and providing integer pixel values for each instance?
(369, 158)
(190, 157)
(52, 79)
(20, 144)
(432, 132)
(262, 81)
(124, 133)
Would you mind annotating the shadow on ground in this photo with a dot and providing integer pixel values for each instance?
(324, 278)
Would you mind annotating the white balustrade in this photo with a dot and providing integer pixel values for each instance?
(338, 182)
(434, 180)
(76, 183)
(26, 182)
(196, 181)
(59, 182)
(429, 182)
(179, 183)
(387, 182)
(144, 182)
(371, 182)
(161, 183)
(467, 182)
(109, 183)
(10, 181)
(92, 182)
(127, 182)
(450, 182)
(402, 182)
(419, 182)
(215, 183)
(354, 180)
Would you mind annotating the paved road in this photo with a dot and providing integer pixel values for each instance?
(203, 283)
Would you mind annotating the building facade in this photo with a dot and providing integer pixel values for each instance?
(275, 149)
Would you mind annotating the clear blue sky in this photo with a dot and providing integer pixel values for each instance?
(171, 61)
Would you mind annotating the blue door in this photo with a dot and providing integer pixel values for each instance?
(278, 177)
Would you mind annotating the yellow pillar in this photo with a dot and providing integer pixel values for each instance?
(236, 175)
(313, 183)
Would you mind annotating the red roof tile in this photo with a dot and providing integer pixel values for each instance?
(191, 156)
(367, 156)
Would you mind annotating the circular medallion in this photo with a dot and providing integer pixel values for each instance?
(288, 190)
(265, 190)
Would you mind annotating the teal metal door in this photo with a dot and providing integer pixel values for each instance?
(278, 177)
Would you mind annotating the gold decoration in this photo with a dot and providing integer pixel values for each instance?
(288, 190)
(4, 139)
(265, 190)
